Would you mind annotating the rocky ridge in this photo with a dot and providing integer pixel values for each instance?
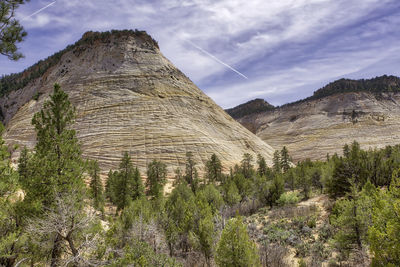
(129, 97)
(313, 127)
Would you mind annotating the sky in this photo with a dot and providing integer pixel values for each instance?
(234, 50)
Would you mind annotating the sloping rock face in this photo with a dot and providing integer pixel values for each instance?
(129, 97)
(313, 128)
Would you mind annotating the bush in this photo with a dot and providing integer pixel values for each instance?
(288, 198)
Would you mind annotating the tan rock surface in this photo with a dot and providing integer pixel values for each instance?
(129, 97)
(314, 128)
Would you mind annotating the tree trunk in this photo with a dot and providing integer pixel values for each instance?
(56, 251)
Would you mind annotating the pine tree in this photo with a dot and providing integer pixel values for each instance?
(56, 167)
(12, 238)
(156, 178)
(96, 186)
(214, 169)
(23, 169)
(110, 186)
(235, 248)
(285, 159)
(276, 161)
(262, 166)
(128, 184)
(191, 174)
(383, 235)
(246, 166)
(11, 31)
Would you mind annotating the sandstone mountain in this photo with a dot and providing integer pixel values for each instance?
(367, 111)
(129, 97)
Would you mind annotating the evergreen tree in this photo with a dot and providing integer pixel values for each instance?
(11, 31)
(303, 177)
(214, 169)
(276, 161)
(128, 184)
(96, 186)
(235, 248)
(262, 166)
(12, 238)
(179, 211)
(110, 186)
(156, 178)
(23, 169)
(202, 235)
(383, 235)
(56, 167)
(247, 166)
(191, 174)
(285, 159)
(352, 217)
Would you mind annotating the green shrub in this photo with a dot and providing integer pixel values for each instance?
(288, 198)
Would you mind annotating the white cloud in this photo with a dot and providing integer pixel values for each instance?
(253, 36)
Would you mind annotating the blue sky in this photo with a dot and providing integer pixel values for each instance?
(286, 48)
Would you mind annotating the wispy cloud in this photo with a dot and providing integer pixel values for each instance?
(38, 11)
(287, 48)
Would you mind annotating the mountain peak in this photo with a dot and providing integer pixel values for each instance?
(254, 106)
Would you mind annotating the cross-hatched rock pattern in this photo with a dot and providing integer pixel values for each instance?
(129, 97)
(313, 128)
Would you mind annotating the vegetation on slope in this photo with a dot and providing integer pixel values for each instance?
(51, 215)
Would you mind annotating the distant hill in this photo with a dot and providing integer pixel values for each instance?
(366, 110)
(251, 107)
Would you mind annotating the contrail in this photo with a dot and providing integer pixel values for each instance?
(40, 10)
(216, 59)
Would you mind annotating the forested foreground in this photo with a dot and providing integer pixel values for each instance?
(55, 211)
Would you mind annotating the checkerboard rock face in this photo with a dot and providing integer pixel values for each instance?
(129, 97)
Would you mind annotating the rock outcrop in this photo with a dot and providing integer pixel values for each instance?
(322, 124)
(129, 97)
